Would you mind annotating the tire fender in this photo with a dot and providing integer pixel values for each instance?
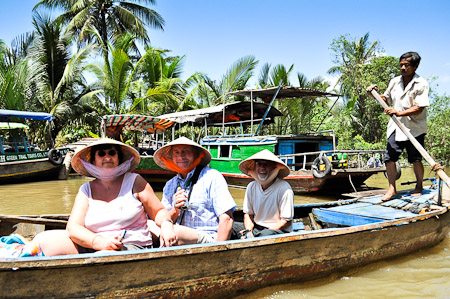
(322, 159)
(55, 157)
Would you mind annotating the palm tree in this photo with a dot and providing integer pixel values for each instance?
(276, 76)
(235, 78)
(60, 88)
(159, 79)
(350, 56)
(14, 79)
(358, 66)
(111, 18)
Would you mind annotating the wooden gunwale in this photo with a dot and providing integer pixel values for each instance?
(222, 269)
(220, 246)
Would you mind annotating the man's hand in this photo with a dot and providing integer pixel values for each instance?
(372, 87)
(391, 111)
(180, 198)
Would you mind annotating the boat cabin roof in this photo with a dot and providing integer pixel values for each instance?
(286, 92)
(142, 123)
(5, 115)
(11, 125)
(235, 112)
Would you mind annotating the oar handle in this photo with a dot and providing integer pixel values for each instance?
(413, 140)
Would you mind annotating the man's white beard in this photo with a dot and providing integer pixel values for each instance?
(262, 177)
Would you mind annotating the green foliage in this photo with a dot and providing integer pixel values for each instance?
(437, 140)
(359, 65)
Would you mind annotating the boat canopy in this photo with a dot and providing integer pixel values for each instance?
(141, 123)
(285, 92)
(5, 115)
(236, 112)
(8, 126)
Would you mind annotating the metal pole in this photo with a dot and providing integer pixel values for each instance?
(268, 109)
(251, 110)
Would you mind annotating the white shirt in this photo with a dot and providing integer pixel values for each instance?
(268, 206)
(401, 98)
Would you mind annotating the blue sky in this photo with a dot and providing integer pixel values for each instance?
(214, 34)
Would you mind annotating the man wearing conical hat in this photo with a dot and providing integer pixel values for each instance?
(269, 200)
(202, 209)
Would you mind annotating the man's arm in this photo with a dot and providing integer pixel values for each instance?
(249, 221)
(280, 224)
(225, 225)
(410, 111)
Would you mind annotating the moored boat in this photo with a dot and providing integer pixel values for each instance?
(316, 163)
(22, 161)
(328, 237)
(152, 136)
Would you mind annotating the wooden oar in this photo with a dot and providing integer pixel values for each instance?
(413, 140)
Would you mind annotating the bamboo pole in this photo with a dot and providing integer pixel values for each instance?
(413, 140)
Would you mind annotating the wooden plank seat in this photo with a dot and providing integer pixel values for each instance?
(296, 226)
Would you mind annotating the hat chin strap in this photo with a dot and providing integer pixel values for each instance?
(273, 174)
(174, 167)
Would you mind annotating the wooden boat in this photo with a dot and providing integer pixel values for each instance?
(316, 163)
(22, 161)
(328, 237)
(152, 136)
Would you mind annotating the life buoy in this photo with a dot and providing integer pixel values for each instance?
(55, 157)
(317, 172)
(399, 171)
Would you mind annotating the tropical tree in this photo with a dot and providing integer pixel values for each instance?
(235, 78)
(276, 76)
(15, 78)
(162, 90)
(359, 65)
(438, 136)
(110, 18)
(60, 88)
(298, 113)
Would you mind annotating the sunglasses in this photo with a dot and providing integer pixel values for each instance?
(102, 153)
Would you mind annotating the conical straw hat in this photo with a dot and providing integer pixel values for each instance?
(249, 163)
(166, 152)
(85, 154)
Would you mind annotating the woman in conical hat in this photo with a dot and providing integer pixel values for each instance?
(109, 212)
(202, 206)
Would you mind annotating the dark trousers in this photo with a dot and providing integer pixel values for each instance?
(258, 230)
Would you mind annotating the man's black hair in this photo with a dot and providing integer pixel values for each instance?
(415, 58)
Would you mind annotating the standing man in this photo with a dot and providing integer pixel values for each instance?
(197, 198)
(269, 200)
(408, 95)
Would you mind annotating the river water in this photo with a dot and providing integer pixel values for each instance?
(423, 274)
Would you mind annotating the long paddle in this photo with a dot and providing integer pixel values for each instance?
(413, 140)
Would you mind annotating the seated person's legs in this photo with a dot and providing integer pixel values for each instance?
(56, 242)
(266, 232)
(237, 227)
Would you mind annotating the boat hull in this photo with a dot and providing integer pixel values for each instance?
(305, 181)
(223, 269)
(38, 168)
(299, 154)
